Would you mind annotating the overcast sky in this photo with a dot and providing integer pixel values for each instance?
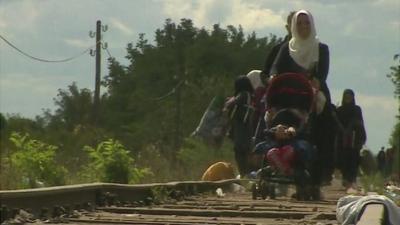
(363, 36)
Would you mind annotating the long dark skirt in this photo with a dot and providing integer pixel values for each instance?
(323, 132)
(350, 160)
(241, 136)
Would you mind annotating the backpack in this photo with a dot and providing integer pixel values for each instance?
(231, 107)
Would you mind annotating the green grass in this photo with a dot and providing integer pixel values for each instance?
(373, 183)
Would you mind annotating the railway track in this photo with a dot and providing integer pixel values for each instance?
(179, 203)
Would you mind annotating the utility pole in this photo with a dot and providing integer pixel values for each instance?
(97, 53)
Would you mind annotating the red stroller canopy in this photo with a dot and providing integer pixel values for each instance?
(290, 90)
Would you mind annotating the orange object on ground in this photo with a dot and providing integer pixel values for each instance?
(219, 171)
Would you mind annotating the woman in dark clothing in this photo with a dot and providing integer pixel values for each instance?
(241, 114)
(381, 160)
(352, 138)
(275, 50)
(306, 55)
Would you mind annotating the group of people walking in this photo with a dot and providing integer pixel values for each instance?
(385, 161)
(336, 132)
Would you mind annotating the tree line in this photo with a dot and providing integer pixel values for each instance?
(148, 112)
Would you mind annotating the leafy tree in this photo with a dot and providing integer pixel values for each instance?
(74, 106)
(395, 137)
(394, 75)
(3, 122)
(71, 127)
(17, 123)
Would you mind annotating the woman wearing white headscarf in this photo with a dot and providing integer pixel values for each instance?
(305, 54)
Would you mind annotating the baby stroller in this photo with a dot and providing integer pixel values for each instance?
(287, 153)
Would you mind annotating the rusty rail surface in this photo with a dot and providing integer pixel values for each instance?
(190, 202)
(86, 195)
